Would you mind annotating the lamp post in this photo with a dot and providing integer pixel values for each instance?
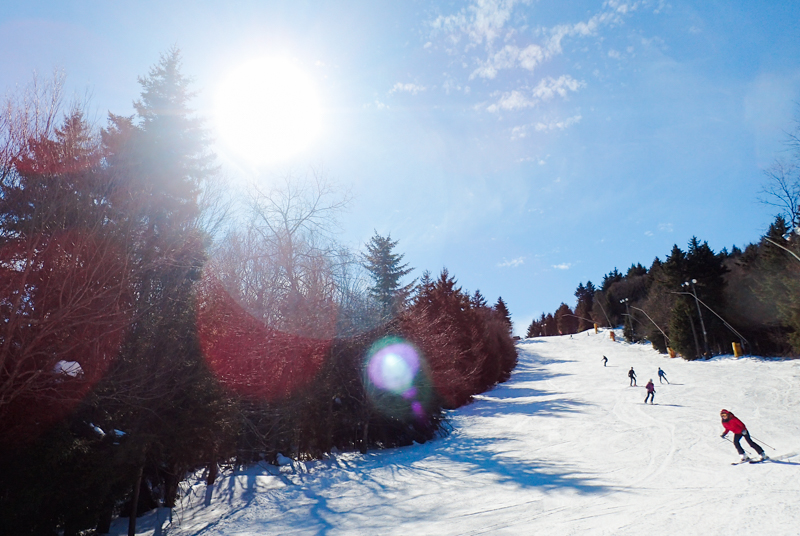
(690, 284)
(627, 318)
(666, 339)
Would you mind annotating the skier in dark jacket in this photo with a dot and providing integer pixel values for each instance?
(651, 392)
(605, 360)
(632, 376)
(732, 424)
(662, 374)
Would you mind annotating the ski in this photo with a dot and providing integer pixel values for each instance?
(749, 461)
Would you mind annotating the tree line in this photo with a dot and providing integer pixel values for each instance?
(696, 302)
(147, 333)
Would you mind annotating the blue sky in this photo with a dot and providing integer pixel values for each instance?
(526, 146)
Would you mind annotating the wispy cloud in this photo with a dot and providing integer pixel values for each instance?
(513, 263)
(665, 227)
(521, 131)
(406, 88)
(485, 23)
(545, 90)
(482, 22)
(562, 266)
(558, 125)
(376, 104)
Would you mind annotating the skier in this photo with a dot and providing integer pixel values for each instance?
(732, 424)
(651, 391)
(605, 360)
(661, 374)
(632, 376)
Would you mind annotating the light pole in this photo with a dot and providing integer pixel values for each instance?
(627, 318)
(666, 339)
(690, 284)
(744, 342)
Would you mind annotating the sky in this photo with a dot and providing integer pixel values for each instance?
(565, 447)
(526, 146)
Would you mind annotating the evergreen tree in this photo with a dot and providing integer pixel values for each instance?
(501, 309)
(583, 309)
(160, 391)
(386, 269)
(609, 279)
(550, 326)
(533, 330)
(636, 269)
(777, 283)
(566, 323)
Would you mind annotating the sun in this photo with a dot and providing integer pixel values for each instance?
(267, 110)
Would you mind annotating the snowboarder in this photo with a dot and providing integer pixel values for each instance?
(632, 376)
(732, 424)
(662, 374)
(651, 391)
(605, 360)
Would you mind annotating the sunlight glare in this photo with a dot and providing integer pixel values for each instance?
(267, 110)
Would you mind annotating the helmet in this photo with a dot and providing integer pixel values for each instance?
(724, 412)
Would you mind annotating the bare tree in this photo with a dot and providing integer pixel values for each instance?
(65, 298)
(782, 188)
(782, 191)
(285, 266)
(28, 114)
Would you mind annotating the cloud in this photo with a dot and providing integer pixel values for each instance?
(509, 57)
(377, 104)
(545, 90)
(558, 125)
(614, 54)
(482, 22)
(519, 132)
(665, 227)
(406, 88)
(513, 263)
(562, 266)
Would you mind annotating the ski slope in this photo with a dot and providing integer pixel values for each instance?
(564, 447)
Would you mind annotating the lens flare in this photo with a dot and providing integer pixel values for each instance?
(395, 378)
(394, 367)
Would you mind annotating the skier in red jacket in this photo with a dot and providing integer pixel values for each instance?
(651, 392)
(732, 424)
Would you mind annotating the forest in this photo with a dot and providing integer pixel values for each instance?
(151, 327)
(697, 303)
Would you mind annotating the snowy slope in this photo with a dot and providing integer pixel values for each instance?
(564, 447)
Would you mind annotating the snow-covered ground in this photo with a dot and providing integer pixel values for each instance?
(566, 446)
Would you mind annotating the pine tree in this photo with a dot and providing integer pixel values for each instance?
(533, 330)
(386, 269)
(501, 309)
(159, 391)
(565, 320)
(583, 309)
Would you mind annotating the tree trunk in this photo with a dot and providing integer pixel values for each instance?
(135, 502)
(106, 516)
(171, 481)
(364, 438)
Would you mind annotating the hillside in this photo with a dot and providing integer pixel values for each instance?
(564, 447)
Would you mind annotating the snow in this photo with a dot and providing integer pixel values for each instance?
(68, 368)
(564, 447)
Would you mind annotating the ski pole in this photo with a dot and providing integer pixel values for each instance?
(756, 439)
